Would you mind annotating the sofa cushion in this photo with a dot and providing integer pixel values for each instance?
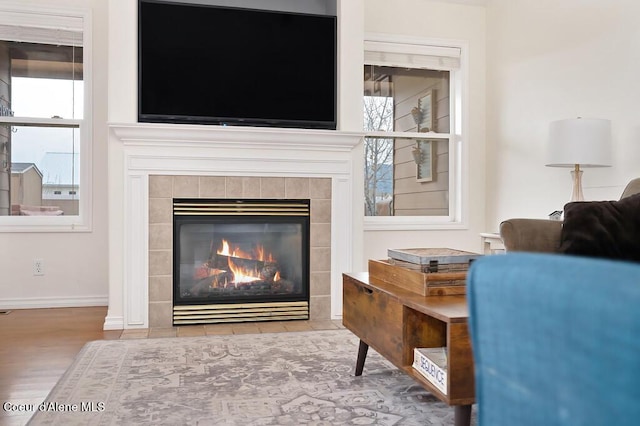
(602, 228)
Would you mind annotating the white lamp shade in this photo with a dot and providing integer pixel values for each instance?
(583, 141)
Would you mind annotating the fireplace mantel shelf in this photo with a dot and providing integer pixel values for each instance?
(197, 135)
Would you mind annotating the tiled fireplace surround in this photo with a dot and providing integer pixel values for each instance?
(162, 189)
(153, 163)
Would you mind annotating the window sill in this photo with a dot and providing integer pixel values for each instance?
(412, 223)
(10, 224)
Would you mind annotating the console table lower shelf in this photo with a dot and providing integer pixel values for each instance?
(394, 321)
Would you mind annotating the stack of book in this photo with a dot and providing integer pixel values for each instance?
(432, 364)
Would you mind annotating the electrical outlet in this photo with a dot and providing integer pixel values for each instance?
(38, 267)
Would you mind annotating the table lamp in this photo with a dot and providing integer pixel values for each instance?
(579, 142)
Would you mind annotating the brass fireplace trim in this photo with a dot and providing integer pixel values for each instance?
(246, 208)
(240, 312)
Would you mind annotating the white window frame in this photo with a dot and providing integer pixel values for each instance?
(458, 138)
(32, 16)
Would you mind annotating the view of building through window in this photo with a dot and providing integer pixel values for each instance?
(406, 174)
(41, 86)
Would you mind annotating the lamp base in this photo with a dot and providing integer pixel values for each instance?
(576, 175)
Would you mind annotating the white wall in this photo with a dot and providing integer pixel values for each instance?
(550, 60)
(75, 262)
(448, 21)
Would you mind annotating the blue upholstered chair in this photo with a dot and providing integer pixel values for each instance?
(556, 340)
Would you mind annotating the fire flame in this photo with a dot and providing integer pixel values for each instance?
(242, 274)
(261, 255)
(236, 252)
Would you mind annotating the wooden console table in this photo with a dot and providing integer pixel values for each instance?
(394, 321)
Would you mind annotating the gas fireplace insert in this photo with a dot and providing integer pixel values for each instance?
(240, 260)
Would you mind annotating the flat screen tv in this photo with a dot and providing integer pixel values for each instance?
(217, 65)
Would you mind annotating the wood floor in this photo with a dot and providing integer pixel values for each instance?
(38, 345)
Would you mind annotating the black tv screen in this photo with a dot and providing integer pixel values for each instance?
(229, 66)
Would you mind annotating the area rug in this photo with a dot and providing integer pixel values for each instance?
(295, 378)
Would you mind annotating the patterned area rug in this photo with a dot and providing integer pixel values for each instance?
(299, 378)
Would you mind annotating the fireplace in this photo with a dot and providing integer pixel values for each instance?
(156, 163)
(240, 260)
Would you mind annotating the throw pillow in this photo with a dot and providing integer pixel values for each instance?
(602, 228)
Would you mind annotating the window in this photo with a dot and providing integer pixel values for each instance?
(44, 130)
(412, 123)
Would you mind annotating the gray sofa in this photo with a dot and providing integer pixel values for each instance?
(542, 235)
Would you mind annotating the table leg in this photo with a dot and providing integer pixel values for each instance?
(362, 355)
(462, 415)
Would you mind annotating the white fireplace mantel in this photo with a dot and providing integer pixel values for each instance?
(137, 151)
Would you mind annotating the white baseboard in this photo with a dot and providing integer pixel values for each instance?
(54, 302)
(113, 323)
